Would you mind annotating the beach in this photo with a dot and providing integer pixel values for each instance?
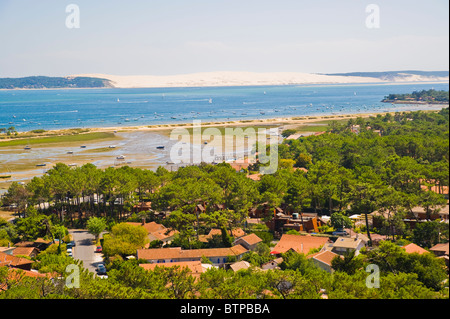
(138, 145)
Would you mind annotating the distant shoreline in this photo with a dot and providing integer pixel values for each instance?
(233, 85)
(220, 79)
(415, 102)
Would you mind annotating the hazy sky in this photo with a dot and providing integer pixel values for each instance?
(164, 37)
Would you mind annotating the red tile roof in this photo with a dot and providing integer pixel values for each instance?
(301, 244)
(178, 253)
(195, 267)
(251, 239)
(13, 261)
(413, 248)
(324, 256)
(440, 248)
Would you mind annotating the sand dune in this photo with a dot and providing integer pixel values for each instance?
(228, 79)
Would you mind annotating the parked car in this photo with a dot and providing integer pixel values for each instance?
(101, 269)
(340, 233)
(69, 252)
(98, 249)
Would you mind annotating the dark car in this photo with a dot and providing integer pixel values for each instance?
(71, 244)
(101, 269)
(340, 233)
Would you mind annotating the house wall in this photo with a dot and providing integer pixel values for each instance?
(322, 265)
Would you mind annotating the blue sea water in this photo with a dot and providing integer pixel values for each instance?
(88, 108)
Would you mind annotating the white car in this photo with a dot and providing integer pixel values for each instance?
(69, 252)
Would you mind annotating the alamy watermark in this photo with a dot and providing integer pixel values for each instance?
(73, 17)
(73, 277)
(373, 280)
(373, 19)
(209, 145)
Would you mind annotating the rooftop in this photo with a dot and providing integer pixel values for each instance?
(413, 248)
(240, 265)
(178, 253)
(441, 248)
(301, 244)
(195, 267)
(325, 256)
(251, 239)
(345, 242)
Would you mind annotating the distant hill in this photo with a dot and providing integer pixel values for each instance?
(395, 76)
(44, 82)
(419, 97)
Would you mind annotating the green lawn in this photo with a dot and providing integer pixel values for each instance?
(59, 139)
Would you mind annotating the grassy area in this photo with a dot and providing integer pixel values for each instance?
(98, 150)
(58, 139)
(311, 128)
(6, 214)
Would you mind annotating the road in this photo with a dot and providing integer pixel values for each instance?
(85, 249)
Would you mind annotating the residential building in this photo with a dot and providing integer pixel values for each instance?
(15, 262)
(440, 249)
(157, 231)
(345, 245)
(274, 264)
(239, 265)
(298, 243)
(25, 251)
(323, 259)
(195, 267)
(218, 256)
(236, 233)
(413, 248)
(249, 242)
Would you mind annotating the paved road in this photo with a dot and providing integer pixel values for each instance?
(85, 250)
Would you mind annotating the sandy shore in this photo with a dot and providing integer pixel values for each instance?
(137, 143)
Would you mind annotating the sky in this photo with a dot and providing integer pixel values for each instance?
(169, 37)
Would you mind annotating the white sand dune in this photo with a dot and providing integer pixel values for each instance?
(247, 79)
(227, 79)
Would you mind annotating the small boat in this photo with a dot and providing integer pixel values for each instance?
(160, 147)
(83, 146)
(72, 165)
(112, 146)
(70, 152)
(210, 101)
(41, 165)
(27, 148)
(121, 157)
